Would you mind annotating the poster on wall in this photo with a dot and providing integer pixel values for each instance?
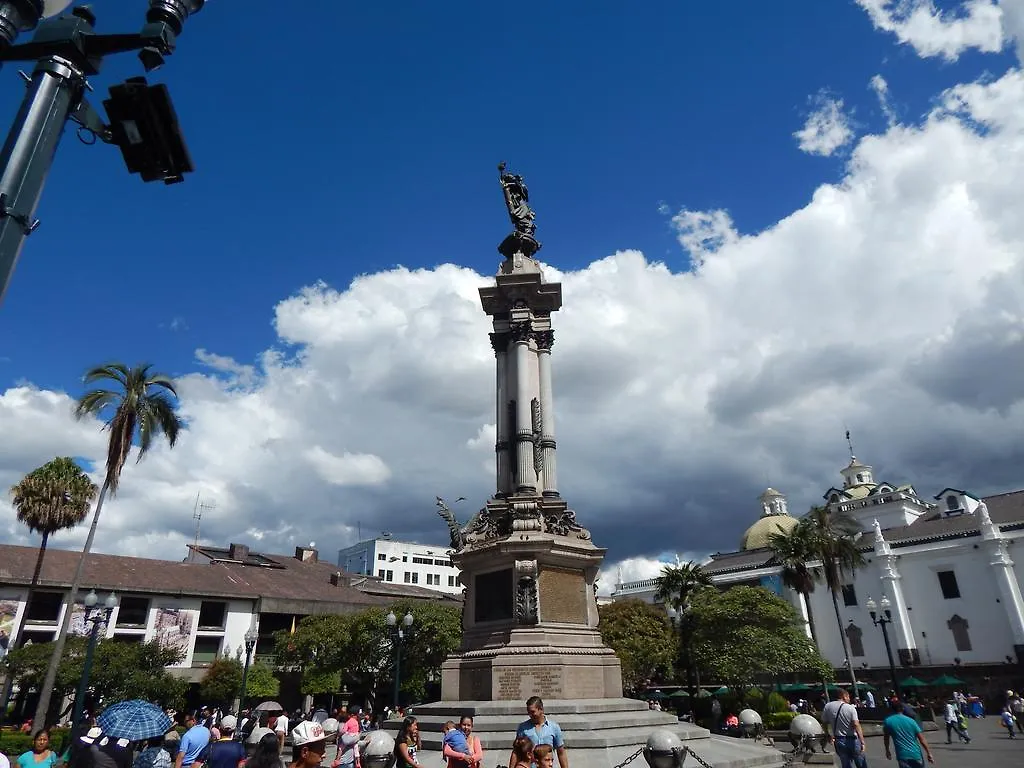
(8, 613)
(173, 629)
(78, 624)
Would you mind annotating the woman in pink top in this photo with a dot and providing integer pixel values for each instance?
(475, 756)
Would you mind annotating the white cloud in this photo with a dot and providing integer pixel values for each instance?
(891, 302)
(827, 128)
(880, 87)
(976, 24)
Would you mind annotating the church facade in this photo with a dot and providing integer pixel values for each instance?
(950, 567)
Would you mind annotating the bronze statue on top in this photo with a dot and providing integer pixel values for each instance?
(517, 199)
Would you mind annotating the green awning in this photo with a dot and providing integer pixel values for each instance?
(657, 695)
(913, 682)
(721, 691)
(794, 687)
(680, 694)
(948, 680)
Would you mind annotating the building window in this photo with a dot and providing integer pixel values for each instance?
(205, 651)
(212, 614)
(849, 595)
(382, 556)
(133, 612)
(458, 580)
(451, 581)
(952, 503)
(959, 626)
(947, 583)
(415, 578)
(44, 608)
(860, 478)
(389, 575)
(405, 558)
(855, 636)
(380, 574)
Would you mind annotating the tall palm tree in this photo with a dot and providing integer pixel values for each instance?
(833, 538)
(794, 550)
(139, 404)
(50, 498)
(677, 585)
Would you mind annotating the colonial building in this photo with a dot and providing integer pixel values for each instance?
(203, 606)
(945, 564)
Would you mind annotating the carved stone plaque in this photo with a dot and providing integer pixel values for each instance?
(563, 596)
(493, 596)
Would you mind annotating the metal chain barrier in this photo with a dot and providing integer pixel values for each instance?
(633, 757)
(704, 763)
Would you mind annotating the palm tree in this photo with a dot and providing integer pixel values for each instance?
(676, 586)
(793, 551)
(833, 541)
(50, 498)
(139, 404)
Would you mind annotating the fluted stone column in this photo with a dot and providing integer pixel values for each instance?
(1006, 580)
(526, 479)
(906, 643)
(546, 340)
(499, 341)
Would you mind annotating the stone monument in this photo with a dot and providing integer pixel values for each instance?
(530, 620)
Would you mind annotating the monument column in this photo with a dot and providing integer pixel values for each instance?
(526, 475)
(546, 340)
(499, 341)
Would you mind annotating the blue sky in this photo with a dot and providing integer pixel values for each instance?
(862, 285)
(366, 135)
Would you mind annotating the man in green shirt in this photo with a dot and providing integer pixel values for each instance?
(905, 733)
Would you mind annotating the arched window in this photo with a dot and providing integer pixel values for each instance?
(959, 626)
(855, 636)
(952, 503)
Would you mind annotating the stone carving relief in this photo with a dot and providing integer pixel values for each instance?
(526, 592)
(563, 523)
(545, 340)
(520, 331)
(537, 415)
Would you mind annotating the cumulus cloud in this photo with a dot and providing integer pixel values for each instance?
(827, 128)
(891, 302)
(930, 31)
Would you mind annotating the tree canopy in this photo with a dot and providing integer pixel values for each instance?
(261, 683)
(642, 638)
(121, 670)
(221, 682)
(53, 497)
(358, 648)
(742, 633)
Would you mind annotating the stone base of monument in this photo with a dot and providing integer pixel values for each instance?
(599, 733)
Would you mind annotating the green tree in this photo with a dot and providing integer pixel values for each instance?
(677, 585)
(743, 633)
(221, 682)
(833, 540)
(642, 638)
(50, 498)
(138, 405)
(120, 670)
(261, 683)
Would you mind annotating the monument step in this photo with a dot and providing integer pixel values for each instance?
(553, 707)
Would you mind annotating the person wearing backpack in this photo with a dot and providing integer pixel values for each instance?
(840, 717)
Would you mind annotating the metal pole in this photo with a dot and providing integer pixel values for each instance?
(83, 684)
(398, 662)
(53, 94)
(888, 652)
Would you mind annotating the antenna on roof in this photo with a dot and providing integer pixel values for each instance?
(849, 443)
(197, 515)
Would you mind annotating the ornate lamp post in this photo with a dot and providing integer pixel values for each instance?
(882, 621)
(66, 51)
(95, 616)
(398, 631)
(250, 643)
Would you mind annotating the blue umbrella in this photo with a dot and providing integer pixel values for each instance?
(134, 720)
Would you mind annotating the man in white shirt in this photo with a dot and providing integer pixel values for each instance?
(841, 722)
(281, 729)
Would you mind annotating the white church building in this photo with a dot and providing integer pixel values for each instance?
(950, 566)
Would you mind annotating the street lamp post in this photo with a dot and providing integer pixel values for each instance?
(66, 51)
(250, 643)
(398, 631)
(883, 621)
(681, 623)
(95, 616)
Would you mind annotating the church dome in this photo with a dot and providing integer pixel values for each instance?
(757, 535)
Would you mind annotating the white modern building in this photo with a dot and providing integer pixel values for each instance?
(403, 562)
(949, 566)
